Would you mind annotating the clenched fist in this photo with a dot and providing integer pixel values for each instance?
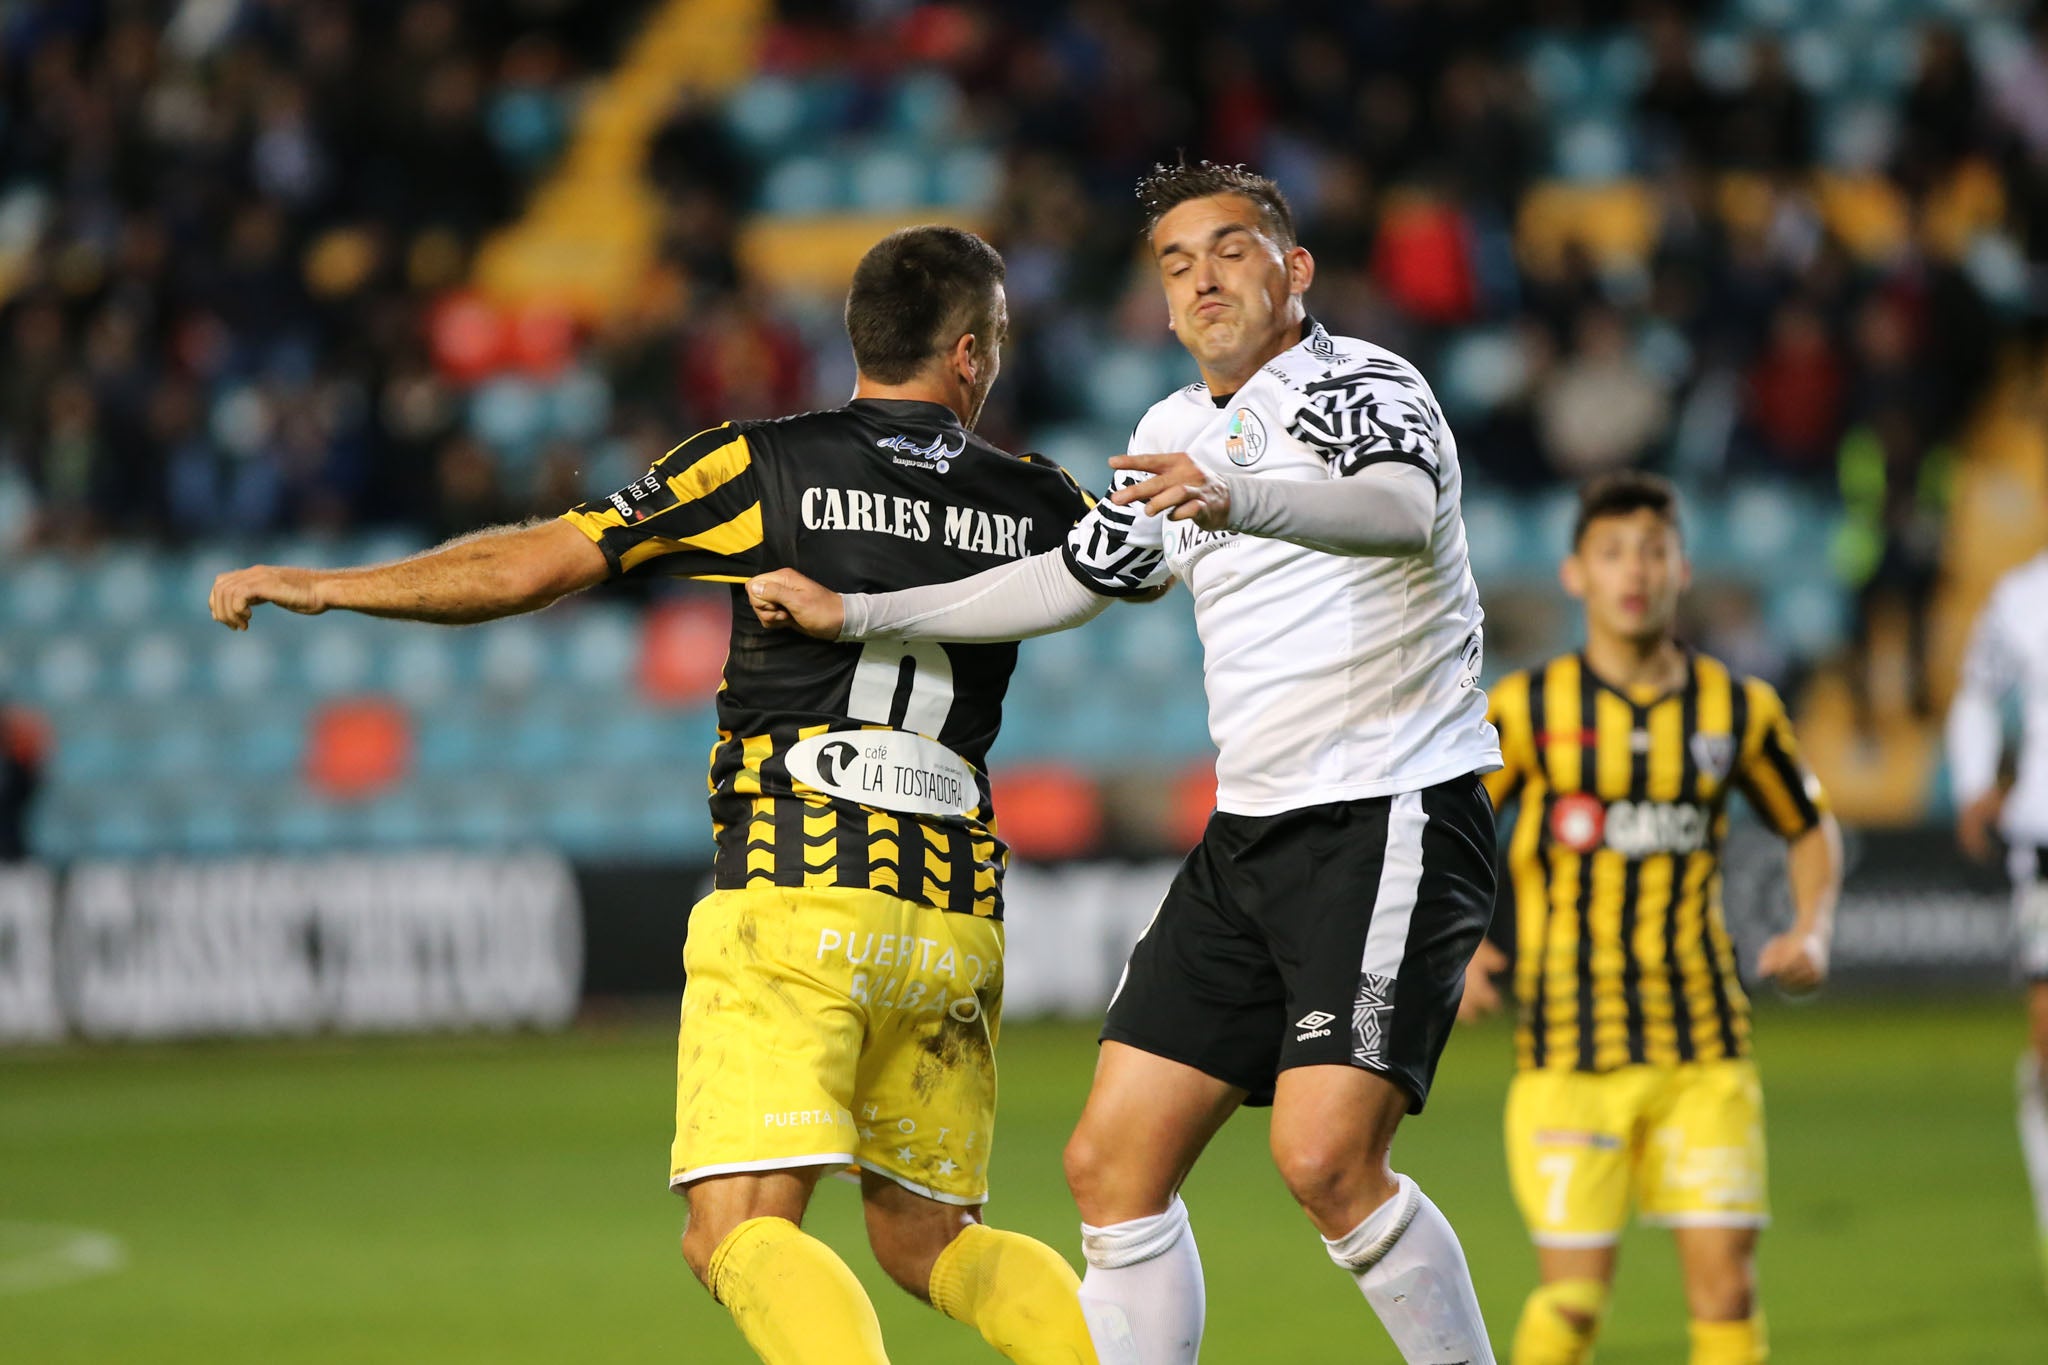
(237, 594)
(785, 600)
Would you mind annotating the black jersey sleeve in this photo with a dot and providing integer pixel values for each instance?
(695, 514)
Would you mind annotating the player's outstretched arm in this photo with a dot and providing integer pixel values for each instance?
(1385, 510)
(1798, 958)
(479, 577)
(1013, 601)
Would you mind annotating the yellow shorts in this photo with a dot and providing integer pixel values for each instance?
(836, 1026)
(1685, 1143)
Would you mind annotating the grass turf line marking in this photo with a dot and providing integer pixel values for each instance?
(37, 1256)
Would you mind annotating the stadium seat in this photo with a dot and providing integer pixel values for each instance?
(540, 742)
(887, 179)
(157, 667)
(422, 667)
(802, 187)
(512, 658)
(405, 818)
(335, 660)
(925, 105)
(211, 821)
(1492, 535)
(1048, 811)
(1819, 60)
(240, 665)
(1121, 383)
(508, 415)
(125, 827)
(68, 671)
(766, 114)
(1858, 136)
(579, 406)
(482, 816)
(1592, 151)
(966, 178)
(358, 747)
(451, 742)
(602, 645)
(174, 753)
(124, 588)
(1558, 72)
(683, 647)
(39, 592)
(1809, 617)
(304, 825)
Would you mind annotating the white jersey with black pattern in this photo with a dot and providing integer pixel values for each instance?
(2008, 656)
(1330, 677)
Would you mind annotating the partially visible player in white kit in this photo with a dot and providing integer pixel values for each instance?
(2008, 654)
(1310, 954)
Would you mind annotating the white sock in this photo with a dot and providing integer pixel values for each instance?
(2033, 1095)
(1409, 1265)
(1143, 1294)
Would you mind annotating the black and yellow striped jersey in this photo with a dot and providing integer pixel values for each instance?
(848, 764)
(1622, 952)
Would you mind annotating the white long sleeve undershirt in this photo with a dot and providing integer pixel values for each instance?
(1385, 510)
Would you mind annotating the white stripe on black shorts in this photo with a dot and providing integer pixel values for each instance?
(2029, 866)
(1333, 934)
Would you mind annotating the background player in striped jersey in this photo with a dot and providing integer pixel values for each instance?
(1634, 1079)
(2008, 655)
(845, 975)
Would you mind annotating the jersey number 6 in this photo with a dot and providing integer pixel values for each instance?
(908, 685)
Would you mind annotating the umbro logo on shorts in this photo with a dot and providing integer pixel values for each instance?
(1314, 1024)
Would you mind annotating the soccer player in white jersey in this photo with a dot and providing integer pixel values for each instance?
(1310, 954)
(2009, 653)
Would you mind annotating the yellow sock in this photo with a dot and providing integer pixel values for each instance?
(796, 1302)
(1730, 1343)
(1559, 1323)
(1019, 1294)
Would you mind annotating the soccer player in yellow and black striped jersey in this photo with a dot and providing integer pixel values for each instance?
(844, 977)
(1634, 1078)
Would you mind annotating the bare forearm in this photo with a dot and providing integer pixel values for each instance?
(1814, 867)
(1974, 739)
(480, 577)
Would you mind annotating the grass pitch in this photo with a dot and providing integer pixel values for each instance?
(502, 1200)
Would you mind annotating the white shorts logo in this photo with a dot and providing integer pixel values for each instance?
(1314, 1024)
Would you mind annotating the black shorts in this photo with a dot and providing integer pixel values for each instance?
(1334, 934)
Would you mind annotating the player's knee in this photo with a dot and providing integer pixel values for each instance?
(1090, 1175)
(1336, 1182)
(1722, 1290)
(1559, 1322)
(701, 1239)
(905, 1258)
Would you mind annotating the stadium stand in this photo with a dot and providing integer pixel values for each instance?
(321, 282)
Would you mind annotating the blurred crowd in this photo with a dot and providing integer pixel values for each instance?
(223, 224)
(234, 231)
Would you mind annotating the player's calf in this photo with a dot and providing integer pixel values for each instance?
(1719, 1265)
(1017, 1292)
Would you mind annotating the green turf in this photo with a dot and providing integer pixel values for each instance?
(501, 1200)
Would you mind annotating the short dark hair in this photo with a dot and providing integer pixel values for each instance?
(1623, 492)
(915, 292)
(1168, 187)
